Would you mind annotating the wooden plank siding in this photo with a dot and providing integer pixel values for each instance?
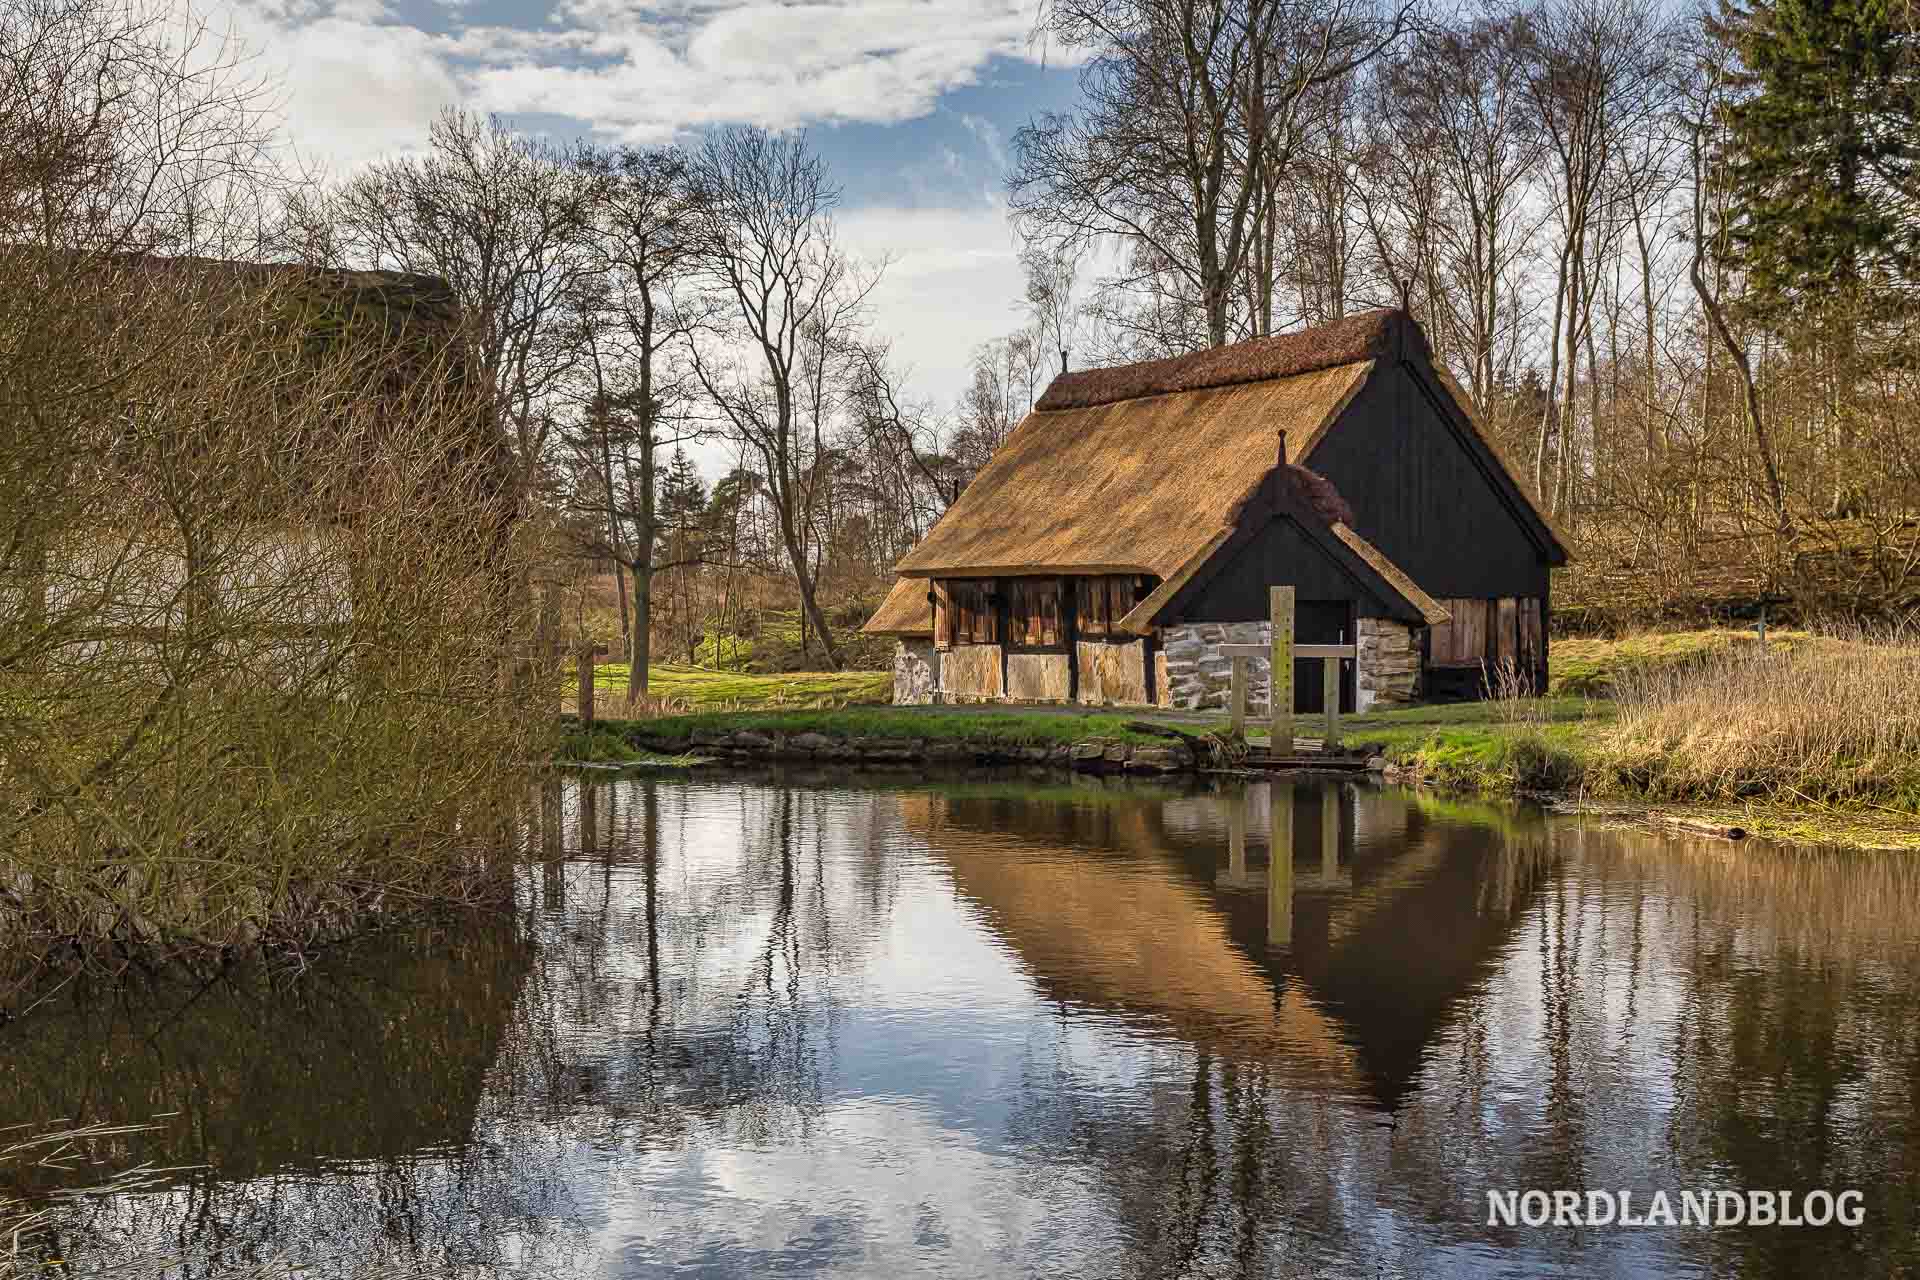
(1039, 615)
(1278, 553)
(1422, 492)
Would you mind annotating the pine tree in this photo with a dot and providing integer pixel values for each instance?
(1823, 144)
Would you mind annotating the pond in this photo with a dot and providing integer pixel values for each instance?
(779, 1024)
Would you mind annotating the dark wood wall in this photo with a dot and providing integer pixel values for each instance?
(1421, 492)
(1327, 602)
(1279, 555)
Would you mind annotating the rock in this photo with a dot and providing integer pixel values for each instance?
(1377, 764)
(1117, 753)
(747, 740)
(1088, 752)
(949, 752)
(1034, 755)
(1161, 759)
(811, 742)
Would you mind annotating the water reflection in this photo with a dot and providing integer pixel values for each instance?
(790, 1024)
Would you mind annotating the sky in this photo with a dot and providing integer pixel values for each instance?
(912, 102)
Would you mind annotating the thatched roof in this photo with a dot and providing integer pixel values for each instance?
(1130, 487)
(905, 611)
(1347, 341)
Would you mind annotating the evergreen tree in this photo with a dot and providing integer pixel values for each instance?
(1822, 148)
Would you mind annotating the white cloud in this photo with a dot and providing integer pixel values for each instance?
(361, 83)
(361, 80)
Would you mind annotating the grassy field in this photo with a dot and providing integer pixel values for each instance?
(679, 687)
(1591, 667)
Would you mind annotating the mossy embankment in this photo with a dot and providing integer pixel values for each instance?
(890, 736)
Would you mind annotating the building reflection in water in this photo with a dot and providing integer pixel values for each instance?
(792, 1024)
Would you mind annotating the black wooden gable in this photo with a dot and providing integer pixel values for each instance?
(1428, 490)
(1277, 542)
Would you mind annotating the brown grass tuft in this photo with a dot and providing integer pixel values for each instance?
(1836, 719)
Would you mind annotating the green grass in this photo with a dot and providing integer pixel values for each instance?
(606, 746)
(701, 689)
(1587, 666)
(1532, 745)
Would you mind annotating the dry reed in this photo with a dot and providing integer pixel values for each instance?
(1833, 720)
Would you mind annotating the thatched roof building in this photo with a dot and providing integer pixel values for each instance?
(1152, 505)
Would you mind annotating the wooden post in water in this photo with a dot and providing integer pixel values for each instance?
(1280, 670)
(1330, 693)
(1238, 699)
(1280, 870)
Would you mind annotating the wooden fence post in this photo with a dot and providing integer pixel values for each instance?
(585, 699)
(1280, 670)
(1239, 697)
(1330, 693)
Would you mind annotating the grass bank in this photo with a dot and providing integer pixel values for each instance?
(1009, 727)
(1815, 738)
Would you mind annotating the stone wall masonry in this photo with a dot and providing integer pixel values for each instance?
(1098, 755)
(1389, 664)
(916, 673)
(1200, 677)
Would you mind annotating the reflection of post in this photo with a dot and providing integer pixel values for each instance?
(589, 816)
(1280, 870)
(1237, 837)
(553, 890)
(1329, 832)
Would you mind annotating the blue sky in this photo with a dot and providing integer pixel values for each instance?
(913, 103)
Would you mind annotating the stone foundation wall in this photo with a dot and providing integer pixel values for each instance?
(1199, 676)
(916, 673)
(1389, 665)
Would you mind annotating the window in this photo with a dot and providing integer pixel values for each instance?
(1035, 612)
(1120, 600)
(970, 611)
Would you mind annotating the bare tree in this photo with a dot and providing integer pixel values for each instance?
(507, 221)
(1454, 119)
(635, 413)
(1598, 72)
(779, 298)
(1190, 107)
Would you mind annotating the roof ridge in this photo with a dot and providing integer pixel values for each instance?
(1348, 340)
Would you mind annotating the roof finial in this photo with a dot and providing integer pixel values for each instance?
(1283, 447)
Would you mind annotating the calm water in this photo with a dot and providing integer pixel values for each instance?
(769, 1026)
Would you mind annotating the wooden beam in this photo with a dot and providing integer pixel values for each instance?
(1280, 669)
(1346, 651)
